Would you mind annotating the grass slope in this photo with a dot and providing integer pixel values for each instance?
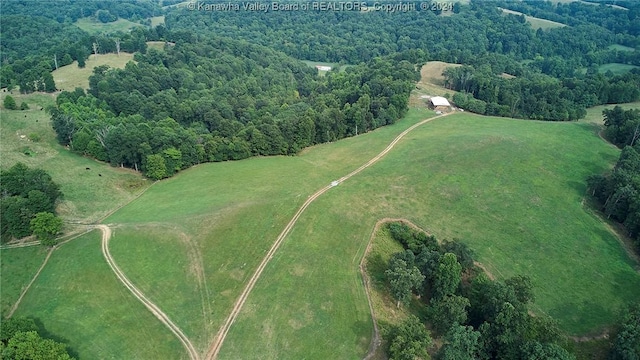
(431, 78)
(620, 47)
(87, 196)
(511, 189)
(536, 23)
(18, 266)
(94, 27)
(594, 114)
(203, 208)
(313, 64)
(79, 300)
(616, 68)
(157, 20)
(71, 76)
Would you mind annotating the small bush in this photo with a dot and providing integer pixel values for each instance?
(24, 106)
(34, 137)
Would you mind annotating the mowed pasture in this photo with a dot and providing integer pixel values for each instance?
(79, 300)
(94, 27)
(18, 266)
(333, 66)
(224, 217)
(616, 68)
(71, 76)
(620, 47)
(511, 189)
(536, 23)
(88, 194)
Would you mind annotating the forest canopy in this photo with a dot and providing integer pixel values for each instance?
(222, 100)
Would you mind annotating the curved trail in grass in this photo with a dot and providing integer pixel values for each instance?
(155, 310)
(375, 339)
(214, 349)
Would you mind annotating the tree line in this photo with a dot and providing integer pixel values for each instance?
(221, 99)
(476, 318)
(533, 95)
(618, 192)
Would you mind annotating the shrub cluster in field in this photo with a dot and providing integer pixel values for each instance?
(27, 204)
(475, 316)
(20, 338)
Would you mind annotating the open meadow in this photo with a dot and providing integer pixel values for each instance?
(512, 190)
(71, 76)
(79, 299)
(27, 137)
(94, 27)
(536, 23)
(191, 242)
(616, 68)
(21, 264)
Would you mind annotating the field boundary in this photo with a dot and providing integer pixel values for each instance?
(214, 349)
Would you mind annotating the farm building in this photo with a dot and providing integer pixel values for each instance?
(323, 68)
(439, 103)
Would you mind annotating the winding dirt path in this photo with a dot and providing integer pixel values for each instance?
(155, 310)
(375, 339)
(214, 348)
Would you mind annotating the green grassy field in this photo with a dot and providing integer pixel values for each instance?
(18, 267)
(503, 186)
(594, 114)
(536, 23)
(87, 196)
(520, 212)
(71, 76)
(264, 194)
(94, 27)
(157, 20)
(79, 300)
(158, 45)
(313, 64)
(616, 68)
(620, 47)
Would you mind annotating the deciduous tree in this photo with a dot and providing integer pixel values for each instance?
(46, 226)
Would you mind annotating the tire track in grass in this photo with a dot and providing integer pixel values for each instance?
(214, 349)
(155, 310)
(44, 263)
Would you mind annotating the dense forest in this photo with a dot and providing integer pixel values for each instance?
(556, 70)
(27, 204)
(222, 100)
(475, 317)
(69, 11)
(33, 46)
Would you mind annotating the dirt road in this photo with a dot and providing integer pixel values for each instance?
(222, 333)
(155, 310)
